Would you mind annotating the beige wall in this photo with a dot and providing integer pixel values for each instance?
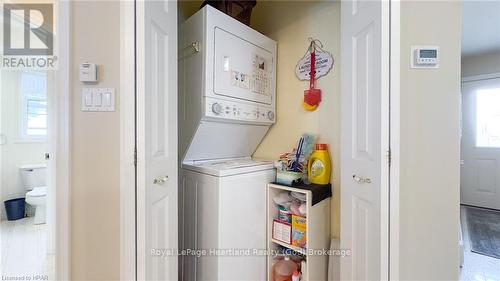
(186, 8)
(95, 143)
(481, 64)
(291, 24)
(430, 143)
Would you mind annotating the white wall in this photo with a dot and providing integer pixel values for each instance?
(15, 152)
(481, 64)
(430, 153)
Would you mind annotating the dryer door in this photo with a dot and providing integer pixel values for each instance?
(242, 70)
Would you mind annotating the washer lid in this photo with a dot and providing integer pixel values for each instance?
(38, 192)
(229, 167)
(222, 140)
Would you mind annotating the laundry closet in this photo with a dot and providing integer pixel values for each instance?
(240, 108)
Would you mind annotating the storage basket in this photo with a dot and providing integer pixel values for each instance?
(240, 10)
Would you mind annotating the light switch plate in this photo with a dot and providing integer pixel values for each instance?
(98, 99)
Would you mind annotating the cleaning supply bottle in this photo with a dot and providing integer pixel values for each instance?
(319, 167)
(284, 269)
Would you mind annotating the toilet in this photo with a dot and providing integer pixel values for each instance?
(34, 179)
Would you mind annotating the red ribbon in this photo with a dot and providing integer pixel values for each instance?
(312, 74)
(312, 96)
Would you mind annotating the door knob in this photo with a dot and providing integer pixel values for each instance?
(361, 179)
(160, 180)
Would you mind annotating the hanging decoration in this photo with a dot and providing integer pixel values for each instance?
(324, 61)
(315, 64)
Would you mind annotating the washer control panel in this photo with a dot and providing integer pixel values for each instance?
(238, 111)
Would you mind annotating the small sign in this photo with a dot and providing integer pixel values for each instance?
(324, 62)
(31, 44)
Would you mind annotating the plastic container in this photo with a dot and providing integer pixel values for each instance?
(296, 276)
(288, 178)
(14, 208)
(284, 269)
(319, 166)
(303, 268)
(284, 214)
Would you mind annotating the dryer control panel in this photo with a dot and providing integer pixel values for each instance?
(238, 111)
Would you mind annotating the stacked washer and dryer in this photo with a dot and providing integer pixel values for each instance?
(227, 95)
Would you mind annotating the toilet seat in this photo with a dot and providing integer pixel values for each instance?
(37, 192)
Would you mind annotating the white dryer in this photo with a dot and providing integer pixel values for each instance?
(227, 102)
(227, 87)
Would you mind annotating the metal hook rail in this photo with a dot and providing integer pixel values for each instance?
(193, 48)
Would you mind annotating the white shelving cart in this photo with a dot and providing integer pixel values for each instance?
(317, 229)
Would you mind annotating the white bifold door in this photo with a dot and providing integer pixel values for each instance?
(480, 151)
(157, 180)
(365, 139)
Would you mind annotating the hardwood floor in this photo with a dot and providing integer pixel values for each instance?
(24, 251)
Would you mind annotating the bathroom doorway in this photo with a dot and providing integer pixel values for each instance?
(27, 222)
(34, 156)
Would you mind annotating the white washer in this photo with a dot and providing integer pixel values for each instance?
(224, 207)
(227, 102)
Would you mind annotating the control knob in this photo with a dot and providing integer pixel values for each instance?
(217, 108)
(270, 115)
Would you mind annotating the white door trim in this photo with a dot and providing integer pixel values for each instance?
(394, 138)
(62, 146)
(127, 143)
(385, 144)
(473, 78)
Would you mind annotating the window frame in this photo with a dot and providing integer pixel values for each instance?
(478, 111)
(23, 112)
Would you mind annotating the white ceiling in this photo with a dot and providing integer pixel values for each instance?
(480, 26)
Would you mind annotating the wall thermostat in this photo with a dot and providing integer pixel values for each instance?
(424, 57)
(88, 72)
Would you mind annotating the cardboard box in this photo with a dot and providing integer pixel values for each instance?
(299, 231)
(282, 231)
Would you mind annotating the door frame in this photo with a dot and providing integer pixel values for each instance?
(479, 77)
(62, 149)
(128, 191)
(130, 188)
(128, 234)
(390, 149)
(394, 138)
(469, 79)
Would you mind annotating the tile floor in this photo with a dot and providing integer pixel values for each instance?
(476, 267)
(24, 251)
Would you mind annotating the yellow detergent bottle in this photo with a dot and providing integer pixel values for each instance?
(319, 167)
